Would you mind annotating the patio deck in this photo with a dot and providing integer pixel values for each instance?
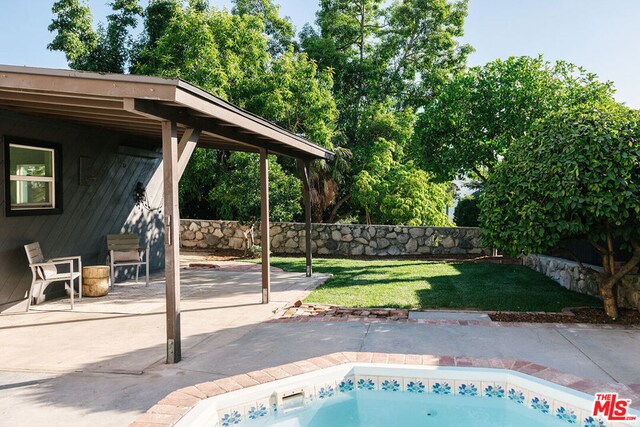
(124, 332)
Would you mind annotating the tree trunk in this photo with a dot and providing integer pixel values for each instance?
(334, 212)
(608, 297)
(317, 213)
(608, 279)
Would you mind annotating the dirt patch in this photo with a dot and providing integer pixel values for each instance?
(591, 315)
(323, 310)
(219, 255)
(228, 255)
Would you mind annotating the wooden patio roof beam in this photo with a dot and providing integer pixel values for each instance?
(183, 115)
(75, 110)
(199, 100)
(62, 99)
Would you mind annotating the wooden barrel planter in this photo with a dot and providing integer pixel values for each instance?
(95, 280)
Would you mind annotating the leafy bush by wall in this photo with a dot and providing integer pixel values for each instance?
(467, 212)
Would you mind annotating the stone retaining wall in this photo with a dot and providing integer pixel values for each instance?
(570, 275)
(337, 239)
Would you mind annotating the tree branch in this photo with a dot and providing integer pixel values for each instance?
(599, 248)
(479, 174)
(635, 259)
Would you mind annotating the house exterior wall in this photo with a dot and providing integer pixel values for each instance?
(95, 203)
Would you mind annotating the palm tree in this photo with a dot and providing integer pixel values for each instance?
(326, 179)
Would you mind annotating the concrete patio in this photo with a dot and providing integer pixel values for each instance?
(124, 332)
(102, 364)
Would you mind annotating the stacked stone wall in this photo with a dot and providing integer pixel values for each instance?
(336, 239)
(570, 275)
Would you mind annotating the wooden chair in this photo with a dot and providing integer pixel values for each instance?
(45, 272)
(125, 250)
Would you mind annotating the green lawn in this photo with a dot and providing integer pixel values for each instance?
(422, 284)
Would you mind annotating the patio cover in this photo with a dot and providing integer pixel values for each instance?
(137, 104)
(180, 115)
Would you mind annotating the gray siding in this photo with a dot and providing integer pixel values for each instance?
(90, 210)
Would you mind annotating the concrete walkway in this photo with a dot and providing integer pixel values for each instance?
(104, 369)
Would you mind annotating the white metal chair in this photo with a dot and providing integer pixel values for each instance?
(125, 250)
(45, 272)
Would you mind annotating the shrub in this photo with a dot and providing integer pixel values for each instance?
(467, 212)
(575, 174)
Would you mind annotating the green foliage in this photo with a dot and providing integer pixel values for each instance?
(423, 48)
(74, 33)
(105, 49)
(401, 50)
(293, 94)
(575, 174)
(206, 168)
(373, 61)
(394, 193)
(381, 120)
(157, 15)
(212, 49)
(476, 117)
(237, 194)
(467, 212)
(388, 188)
(387, 57)
(279, 30)
(117, 41)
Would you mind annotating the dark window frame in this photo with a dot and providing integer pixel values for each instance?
(57, 176)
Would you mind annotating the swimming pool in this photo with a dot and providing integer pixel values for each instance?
(376, 409)
(373, 394)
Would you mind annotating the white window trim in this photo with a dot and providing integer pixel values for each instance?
(48, 179)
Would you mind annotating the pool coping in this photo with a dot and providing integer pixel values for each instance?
(168, 411)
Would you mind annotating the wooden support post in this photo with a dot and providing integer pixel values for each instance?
(171, 238)
(186, 146)
(306, 193)
(264, 225)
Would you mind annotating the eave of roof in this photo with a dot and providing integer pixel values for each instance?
(132, 103)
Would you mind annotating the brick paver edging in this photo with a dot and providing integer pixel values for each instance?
(174, 406)
(305, 319)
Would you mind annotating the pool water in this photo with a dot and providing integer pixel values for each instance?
(374, 408)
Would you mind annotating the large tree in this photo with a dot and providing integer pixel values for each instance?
(574, 174)
(467, 128)
(379, 51)
(106, 49)
(388, 58)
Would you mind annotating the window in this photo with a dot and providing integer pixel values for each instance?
(32, 178)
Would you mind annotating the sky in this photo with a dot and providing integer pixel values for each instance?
(603, 36)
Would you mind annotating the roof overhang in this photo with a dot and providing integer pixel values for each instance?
(138, 104)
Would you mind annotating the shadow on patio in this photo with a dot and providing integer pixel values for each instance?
(131, 321)
(96, 398)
